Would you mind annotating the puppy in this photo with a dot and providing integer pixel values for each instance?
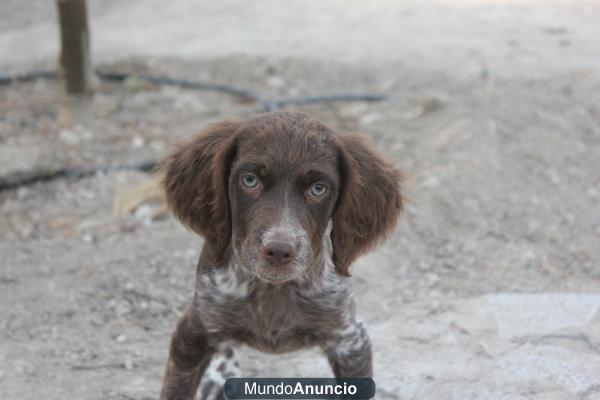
(285, 205)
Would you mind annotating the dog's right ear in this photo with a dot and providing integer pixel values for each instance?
(195, 182)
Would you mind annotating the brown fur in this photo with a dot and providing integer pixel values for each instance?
(369, 205)
(243, 294)
(195, 184)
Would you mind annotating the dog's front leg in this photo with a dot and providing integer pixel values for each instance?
(349, 353)
(189, 355)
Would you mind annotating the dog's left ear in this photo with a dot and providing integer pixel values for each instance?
(369, 203)
(195, 183)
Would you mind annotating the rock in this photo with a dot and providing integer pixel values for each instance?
(432, 104)
(370, 118)
(551, 366)
(131, 198)
(431, 182)
(88, 238)
(520, 315)
(275, 81)
(75, 135)
(137, 142)
(26, 161)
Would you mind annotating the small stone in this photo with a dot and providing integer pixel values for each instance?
(158, 145)
(553, 176)
(121, 338)
(68, 136)
(370, 118)
(143, 212)
(432, 104)
(137, 142)
(431, 182)
(423, 266)
(86, 134)
(570, 218)
(535, 200)
(555, 30)
(88, 238)
(275, 81)
(24, 229)
(533, 226)
(293, 91)
(22, 192)
(354, 109)
(128, 364)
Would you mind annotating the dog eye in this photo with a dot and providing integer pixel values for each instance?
(250, 181)
(318, 189)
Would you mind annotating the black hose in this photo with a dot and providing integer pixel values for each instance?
(271, 105)
(267, 104)
(7, 183)
(183, 83)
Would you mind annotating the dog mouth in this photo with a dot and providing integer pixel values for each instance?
(276, 278)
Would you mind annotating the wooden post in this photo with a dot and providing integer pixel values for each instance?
(75, 62)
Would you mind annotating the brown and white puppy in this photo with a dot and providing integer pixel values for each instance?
(285, 205)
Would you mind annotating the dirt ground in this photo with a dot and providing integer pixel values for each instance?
(490, 286)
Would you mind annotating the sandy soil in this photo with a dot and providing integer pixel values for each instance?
(490, 287)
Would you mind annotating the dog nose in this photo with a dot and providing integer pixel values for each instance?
(278, 253)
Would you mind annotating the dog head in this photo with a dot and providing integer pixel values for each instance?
(268, 188)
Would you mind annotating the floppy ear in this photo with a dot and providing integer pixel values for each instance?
(369, 204)
(195, 183)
